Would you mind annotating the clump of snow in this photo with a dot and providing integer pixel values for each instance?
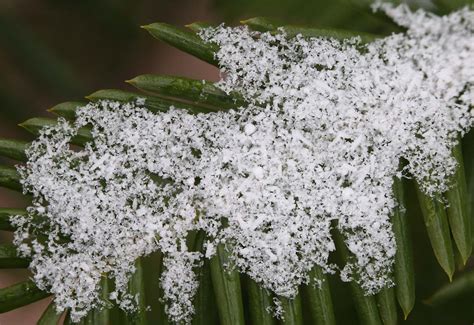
(317, 147)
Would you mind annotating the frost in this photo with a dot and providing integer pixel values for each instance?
(317, 147)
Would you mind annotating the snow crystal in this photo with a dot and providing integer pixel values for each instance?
(317, 147)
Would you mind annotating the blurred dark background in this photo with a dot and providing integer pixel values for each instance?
(60, 50)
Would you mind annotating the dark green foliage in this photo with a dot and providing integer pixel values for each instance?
(224, 297)
(50, 316)
(19, 295)
(404, 269)
(226, 284)
(9, 258)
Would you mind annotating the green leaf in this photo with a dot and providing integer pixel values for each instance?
(5, 214)
(193, 241)
(461, 286)
(102, 316)
(154, 104)
(459, 219)
(137, 288)
(156, 271)
(9, 178)
(259, 302)
(34, 125)
(205, 302)
(183, 40)
(436, 223)
(319, 298)
(66, 109)
(197, 26)
(387, 306)
(468, 155)
(152, 265)
(197, 91)
(458, 260)
(98, 316)
(116, 94)
(67, 318)
(366, 306)
(9, 258)
(226, 283)
(14, 149)
(19, 295)
(263, 24)
(446, 6)
(50, 316)
(292, 311)
(404, 269)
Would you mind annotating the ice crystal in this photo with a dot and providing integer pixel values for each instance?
(316, 148)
